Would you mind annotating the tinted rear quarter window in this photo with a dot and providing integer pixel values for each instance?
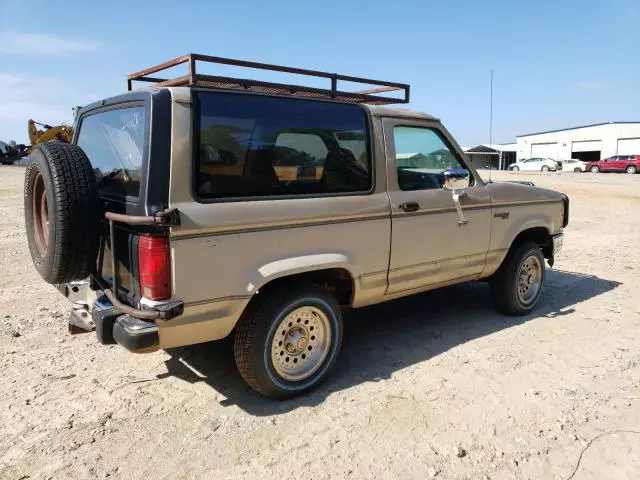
(258, 146)
(114, 140)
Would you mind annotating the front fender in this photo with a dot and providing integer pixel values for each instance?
(527, 222)
(509, 221)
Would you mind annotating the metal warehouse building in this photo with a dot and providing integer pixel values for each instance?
(497, 156)
(587, 143)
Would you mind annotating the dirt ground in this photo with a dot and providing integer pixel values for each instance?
(436, 385)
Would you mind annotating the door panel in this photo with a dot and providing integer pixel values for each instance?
(614, 164)
(532, 164)
(429, 245)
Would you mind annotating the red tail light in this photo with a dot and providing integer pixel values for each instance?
(154, 267)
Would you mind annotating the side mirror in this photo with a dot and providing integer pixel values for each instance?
(456, 179)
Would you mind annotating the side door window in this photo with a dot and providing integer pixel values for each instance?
(422, 157)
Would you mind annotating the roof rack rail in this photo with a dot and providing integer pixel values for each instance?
(227, 83)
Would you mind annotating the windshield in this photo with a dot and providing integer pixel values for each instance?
(114, 141)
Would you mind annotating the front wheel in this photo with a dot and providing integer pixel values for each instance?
(517, 285)
(287, 342)
(631, 169)
(515, 169)
(595, 169)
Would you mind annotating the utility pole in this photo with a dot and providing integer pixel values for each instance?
(491, 113)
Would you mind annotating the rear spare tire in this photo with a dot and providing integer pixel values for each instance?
(62, 212)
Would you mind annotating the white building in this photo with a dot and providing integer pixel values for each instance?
(588, 143)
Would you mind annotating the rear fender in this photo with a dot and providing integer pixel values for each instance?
(295, 265)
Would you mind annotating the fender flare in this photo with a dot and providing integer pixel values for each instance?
(294, 265)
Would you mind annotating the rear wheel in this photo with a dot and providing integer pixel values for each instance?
(544, 168)
(577, 170)
(516, 287)
(594, 169)
(632, 169)
(287, 342)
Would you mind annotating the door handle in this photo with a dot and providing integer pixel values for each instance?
(410, 206)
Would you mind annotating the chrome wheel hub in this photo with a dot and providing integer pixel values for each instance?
(529, 279)
(301, 343)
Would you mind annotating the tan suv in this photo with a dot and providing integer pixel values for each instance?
(210, 206)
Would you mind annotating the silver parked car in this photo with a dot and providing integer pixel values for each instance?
(534, 165)
(574, 165)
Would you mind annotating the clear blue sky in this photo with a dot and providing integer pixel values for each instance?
(557, 63)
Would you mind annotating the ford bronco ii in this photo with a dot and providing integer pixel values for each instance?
(209, 206)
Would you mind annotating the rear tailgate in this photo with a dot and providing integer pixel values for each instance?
(120, 136)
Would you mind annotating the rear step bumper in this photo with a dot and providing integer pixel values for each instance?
(136, 335)
(111, 322)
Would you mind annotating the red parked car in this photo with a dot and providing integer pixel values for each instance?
(618, 163)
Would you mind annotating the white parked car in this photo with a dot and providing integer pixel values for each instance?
(535, 165)
(574, 165)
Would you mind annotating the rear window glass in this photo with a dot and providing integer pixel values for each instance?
(251, 145)
(114, 142)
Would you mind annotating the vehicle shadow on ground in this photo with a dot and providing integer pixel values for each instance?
(382, 339)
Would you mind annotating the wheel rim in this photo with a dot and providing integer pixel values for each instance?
(40, 215)
(545, 169)
(301, 343)
(631, 170)
(595, 169)
(576, 170)
(529, 279)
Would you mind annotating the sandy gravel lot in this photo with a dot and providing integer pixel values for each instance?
(434, 386)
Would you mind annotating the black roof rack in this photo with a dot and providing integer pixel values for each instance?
(217, 82)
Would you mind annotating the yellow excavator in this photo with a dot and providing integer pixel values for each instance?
(63, 133)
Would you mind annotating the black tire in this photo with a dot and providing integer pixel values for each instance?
(577, 170)
(544, 168)
(62, 212)
(256, 330)
(594, 169)
(515, 169)
(504, 284)
(632, 169)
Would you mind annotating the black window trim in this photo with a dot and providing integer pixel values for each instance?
(444, 140)
(195, 123)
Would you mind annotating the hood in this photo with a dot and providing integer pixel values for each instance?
(521, 192)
